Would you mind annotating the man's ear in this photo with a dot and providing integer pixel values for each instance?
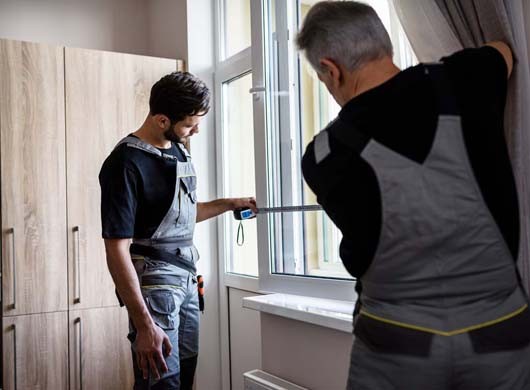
(161, 120)
(332, 71)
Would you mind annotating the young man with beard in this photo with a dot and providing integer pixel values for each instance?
(148, 195)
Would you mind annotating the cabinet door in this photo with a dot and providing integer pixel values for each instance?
(36, 352)
(107, 97)
(100, 353)
(33, 178)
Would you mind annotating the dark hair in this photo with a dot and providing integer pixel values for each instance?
(179, 94)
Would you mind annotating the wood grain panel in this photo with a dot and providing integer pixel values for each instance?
(107, 97)
(33, 178)
(39, 345)
(100, 353)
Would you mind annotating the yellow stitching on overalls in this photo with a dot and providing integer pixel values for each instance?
(442, 333)
(162, 286)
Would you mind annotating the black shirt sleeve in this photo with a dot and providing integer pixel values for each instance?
(479, 78)
(482, 73)
(118, 197)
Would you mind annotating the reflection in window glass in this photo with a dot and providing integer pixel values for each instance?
(237, 26)
(239, 171)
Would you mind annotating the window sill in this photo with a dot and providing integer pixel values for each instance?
(329, 313)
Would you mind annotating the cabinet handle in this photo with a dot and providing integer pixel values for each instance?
(14, 327)
(77, 259)
(80, 351)
(14, 263)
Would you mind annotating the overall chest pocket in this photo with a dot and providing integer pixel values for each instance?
(161, 305)
(188, 200)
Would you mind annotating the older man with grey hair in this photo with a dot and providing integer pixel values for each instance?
(415, 173)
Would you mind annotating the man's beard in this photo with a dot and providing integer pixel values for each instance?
(171, 136)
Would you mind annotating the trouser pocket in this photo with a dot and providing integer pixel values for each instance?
(508, 335)
(382, 337)
(161, 306)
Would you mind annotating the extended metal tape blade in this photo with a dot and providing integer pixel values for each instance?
(289, 209)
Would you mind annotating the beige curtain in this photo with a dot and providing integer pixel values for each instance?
(439, 27)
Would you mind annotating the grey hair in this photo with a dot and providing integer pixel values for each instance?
(348, 32)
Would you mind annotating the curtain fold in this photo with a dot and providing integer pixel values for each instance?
(430, 36)
(436, 28)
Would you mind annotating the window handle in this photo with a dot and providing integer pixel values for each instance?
(255, 90)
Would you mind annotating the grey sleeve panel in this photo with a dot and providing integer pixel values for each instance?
(321, 146)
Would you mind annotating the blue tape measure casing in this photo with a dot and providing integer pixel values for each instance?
(241, 214)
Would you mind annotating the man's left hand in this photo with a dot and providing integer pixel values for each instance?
(245, 203)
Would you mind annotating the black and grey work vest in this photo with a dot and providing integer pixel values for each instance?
(172, 241)
(442, 266)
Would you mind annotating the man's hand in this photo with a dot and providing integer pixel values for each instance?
(244, 203)
(207, 210)
(149, 342)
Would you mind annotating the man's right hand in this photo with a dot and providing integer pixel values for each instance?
(149, 342)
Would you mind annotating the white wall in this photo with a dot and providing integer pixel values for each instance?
(147, 27)
(117, 25)
(245, 337)
(200, 24)
(308, 355)
(168, 35)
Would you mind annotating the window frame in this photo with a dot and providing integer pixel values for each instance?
(249, 60)
(229, 69)
(269, 281)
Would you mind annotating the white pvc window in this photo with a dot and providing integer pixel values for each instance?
(236, 160)
(294, 252)
(241, 180)
(235, 27)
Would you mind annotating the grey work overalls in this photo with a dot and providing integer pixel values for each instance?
(441, 271)
(169, 286)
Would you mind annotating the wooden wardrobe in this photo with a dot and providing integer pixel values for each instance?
(62, 110)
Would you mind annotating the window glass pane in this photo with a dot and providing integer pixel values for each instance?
(317, 109)
(237, 26)
(298, 107)
(239, 169)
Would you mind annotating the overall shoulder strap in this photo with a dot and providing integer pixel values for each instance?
(135, 142)
(184, 151)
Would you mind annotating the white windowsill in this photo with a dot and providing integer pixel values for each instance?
(329, 313)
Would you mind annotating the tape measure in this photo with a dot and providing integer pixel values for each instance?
(245, 213)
